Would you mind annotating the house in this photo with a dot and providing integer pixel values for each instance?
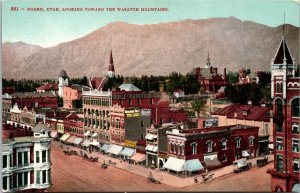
(73, 93)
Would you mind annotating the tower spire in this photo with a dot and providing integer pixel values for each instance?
(283, 25)
(111, 68)
(208, 61)
(111, 60)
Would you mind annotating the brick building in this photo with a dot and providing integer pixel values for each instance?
(214, 147)
(26, 159)
(285, 94)
(34, 100)
(209, 78)
(48, 87)
(248, 115)
(72, 93)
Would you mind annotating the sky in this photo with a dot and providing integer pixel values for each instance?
(49, 28)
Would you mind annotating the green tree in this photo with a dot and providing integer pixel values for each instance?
(199, 106)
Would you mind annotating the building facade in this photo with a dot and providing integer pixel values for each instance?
(26, 161)
(248, 115)
(285, 94)
(214, 147)
(71, 94)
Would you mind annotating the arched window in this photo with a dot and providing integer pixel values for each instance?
(194, 148)
(278, 107)
(182, 149)
(295, 107)
(279, 160)
(295, 128)
(251, 140)
(209, 146)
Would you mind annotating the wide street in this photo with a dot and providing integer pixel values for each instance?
(71, 173)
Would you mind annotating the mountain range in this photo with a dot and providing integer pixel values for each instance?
(156, 49)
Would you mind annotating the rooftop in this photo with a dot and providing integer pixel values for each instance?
(128, 87)
(32, 94)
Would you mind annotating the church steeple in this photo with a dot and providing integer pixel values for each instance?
(208, 61)
(111, 68)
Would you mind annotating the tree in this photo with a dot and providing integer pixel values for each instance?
(233, 77)
(199, 106)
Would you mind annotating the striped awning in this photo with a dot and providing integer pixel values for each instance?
(138, 157)
(175, 164)
(115, 149)
(193, 165)
(128, 152)
(149, 136)
(78, 140)
(65, 137)
(86, 143)
(71, 139)
(105, 147)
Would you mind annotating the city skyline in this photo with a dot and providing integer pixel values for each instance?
(49, 28)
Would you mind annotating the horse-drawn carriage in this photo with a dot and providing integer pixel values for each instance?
(262, 162)
(71, 152)
(241, 165)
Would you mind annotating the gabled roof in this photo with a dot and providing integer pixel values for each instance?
(97, 82)
(256, 113)
(128, 87)
(47, 87)
(283, 52)
(72, 116)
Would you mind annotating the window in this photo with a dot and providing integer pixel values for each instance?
(174, 148)
(295, 128)
(237, 142)
(20, 158)
(209, 146)
(25, 178)
(279, 144)
(117, 123)
(49, 155)
(171, 147)
(224, 144)
(26, 161)
(37, 157)
(20, 180)
(194, 148)
(296, 164)
(142, 123)
(182, 149)
(4, 184)
(44, 178)
(279, 163)
(37, 180)
(178, 149)
(295, 145)
(278, 107)
(139, 101)
(130, 102)
(251, 140)
(44, 158)
(278, 127)
(4, 161)
(49, 176)
(295, 107)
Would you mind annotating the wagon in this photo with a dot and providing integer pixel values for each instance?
(262, 162)
(241, 165)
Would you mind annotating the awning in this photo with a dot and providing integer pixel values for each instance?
(105, 147)
(155, 136)
(115, 149)
(193, 165)
(175, 164)
(88, 133)
(95, 135)
(65, 137)
(150, 147)
(296, 188)
(155, 149)
(86, 143)
(78, 140)
(95, 143)
(128, 152)
(53, 134)
(138, 157)
(245, 154)
(149, 136)
(71, 139)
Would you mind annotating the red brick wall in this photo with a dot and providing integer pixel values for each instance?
(43, 102)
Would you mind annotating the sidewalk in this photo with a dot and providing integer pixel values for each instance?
(162, 176)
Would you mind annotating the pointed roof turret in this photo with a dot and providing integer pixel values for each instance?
(63, 74)
(283, 54)
(111, 62)
(208, 61)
